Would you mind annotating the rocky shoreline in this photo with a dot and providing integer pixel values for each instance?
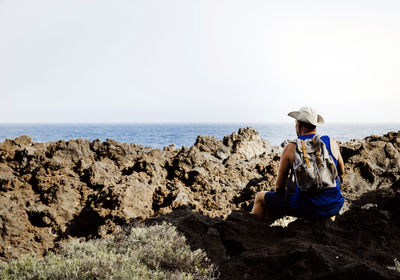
(52, 192)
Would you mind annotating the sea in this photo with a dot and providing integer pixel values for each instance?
(159, 135)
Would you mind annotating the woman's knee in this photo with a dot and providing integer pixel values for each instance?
(260, 197)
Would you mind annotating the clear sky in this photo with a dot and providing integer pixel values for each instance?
(198, 61)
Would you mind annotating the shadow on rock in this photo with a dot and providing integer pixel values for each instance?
(361, 243)
(202, 232)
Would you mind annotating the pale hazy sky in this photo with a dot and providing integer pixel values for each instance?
(198, 61)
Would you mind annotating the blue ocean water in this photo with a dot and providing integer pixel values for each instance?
(163, 134)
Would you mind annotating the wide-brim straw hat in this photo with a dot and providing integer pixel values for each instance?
(307, 115)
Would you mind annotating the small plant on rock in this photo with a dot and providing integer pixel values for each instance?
(396, 265)
(144, 252)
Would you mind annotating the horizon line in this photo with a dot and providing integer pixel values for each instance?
(213, 122)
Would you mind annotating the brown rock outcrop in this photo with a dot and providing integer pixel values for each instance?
(50, 192)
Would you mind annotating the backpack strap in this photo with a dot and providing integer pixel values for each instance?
(303, 147)
(317, 152)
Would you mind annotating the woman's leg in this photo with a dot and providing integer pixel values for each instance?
(259, 207)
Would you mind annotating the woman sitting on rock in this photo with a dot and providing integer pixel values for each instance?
(316, 163)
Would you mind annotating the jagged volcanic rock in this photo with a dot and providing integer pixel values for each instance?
(50, 192)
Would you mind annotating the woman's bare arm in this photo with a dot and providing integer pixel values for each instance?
(286, 161)
(338, 156)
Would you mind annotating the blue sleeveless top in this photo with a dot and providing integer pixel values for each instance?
(328, 202)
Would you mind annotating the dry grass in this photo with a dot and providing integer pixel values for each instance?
(155, 252)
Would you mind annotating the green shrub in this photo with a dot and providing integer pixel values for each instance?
(155, 252)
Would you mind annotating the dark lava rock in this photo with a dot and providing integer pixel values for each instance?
(51, 192)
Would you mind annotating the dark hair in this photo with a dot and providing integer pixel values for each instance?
(308, 126)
